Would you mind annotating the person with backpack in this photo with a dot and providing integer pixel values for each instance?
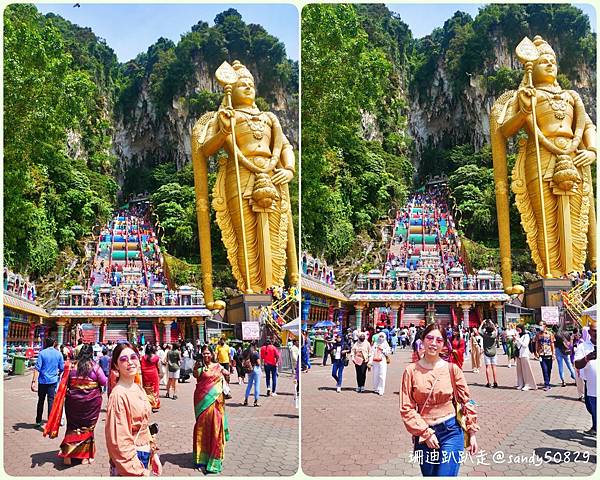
(251, 364)
(490, 335)
(564, 347)
(173, 367)
(525, 379)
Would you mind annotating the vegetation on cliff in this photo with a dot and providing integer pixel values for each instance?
(348, 183)
(57, 161)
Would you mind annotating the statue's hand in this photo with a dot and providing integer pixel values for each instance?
(226, 119)
(282, 175)
(584, 158)
(526, 96)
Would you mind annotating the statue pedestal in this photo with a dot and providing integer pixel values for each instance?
(246, 308)
(542, 293)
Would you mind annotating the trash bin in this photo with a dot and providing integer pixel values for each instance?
(19, 364)
(319, 347)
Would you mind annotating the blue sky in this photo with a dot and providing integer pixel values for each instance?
(130, 29)
(424, 18)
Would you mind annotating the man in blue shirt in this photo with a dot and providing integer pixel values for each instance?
(49, 366)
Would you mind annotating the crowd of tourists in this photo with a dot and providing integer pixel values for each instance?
(73, 379)
(434, 347)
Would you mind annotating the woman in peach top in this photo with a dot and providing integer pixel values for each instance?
(128, 439)
(428, 412)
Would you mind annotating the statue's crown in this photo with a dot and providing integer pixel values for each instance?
(241, 70)
(543, 46)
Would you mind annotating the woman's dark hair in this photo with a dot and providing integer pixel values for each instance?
(521, 328)
(150, 350)
(85, 360)
(114, 362)
(206, 348)
(48, 342)
(430, 328)
(175, 346)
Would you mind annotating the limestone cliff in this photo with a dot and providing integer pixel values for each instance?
(147, 136)
(440, 116)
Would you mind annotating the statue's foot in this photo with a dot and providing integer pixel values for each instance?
(515, 290)
(219, 305)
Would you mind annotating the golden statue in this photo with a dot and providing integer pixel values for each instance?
(251, 196)
(551, 178)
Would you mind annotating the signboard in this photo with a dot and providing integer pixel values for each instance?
(250, 331)
(88, 333)
(550, 315)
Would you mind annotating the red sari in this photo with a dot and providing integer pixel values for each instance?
(151, 380)
(457, 356)
(211, 430)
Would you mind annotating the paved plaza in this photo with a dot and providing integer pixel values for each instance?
(264, 440)
(352, 434)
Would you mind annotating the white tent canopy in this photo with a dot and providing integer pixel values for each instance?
(293, 326)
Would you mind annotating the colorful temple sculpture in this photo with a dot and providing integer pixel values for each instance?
(321, 300)
(24, 320)
(128, 294)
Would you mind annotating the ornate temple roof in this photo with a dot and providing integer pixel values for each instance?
(429, 296)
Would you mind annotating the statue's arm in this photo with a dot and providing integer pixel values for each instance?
(589, 134)
(288, 160)
(512, 118)
(214, 139)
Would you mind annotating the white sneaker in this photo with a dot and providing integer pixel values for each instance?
(273, 394)
(357, 390)
(338, 389)
(525, 388)
(380, 393)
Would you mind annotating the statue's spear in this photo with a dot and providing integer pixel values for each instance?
(527, 53)
(227, 77)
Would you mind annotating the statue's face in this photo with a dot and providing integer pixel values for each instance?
(243, 93)
(545, 69)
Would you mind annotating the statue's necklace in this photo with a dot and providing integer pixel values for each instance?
(256, 124)
(557, 103)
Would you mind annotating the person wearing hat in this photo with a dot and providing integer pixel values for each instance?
(585, 361)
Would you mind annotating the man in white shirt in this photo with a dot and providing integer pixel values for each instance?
(585, 361)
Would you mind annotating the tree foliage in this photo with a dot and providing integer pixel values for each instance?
(348, 182)
(170, 69)
(467, 45)
(56, 141)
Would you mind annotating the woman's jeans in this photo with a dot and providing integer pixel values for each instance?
(254, 379)
(590, 405)
(361, 374)
(337, 371)
(271, 372)
(445, 461)
(563, 357)
(546, 362)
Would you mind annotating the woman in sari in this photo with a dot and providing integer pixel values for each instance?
(211, 430)
(83, 401)
(150, 376)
